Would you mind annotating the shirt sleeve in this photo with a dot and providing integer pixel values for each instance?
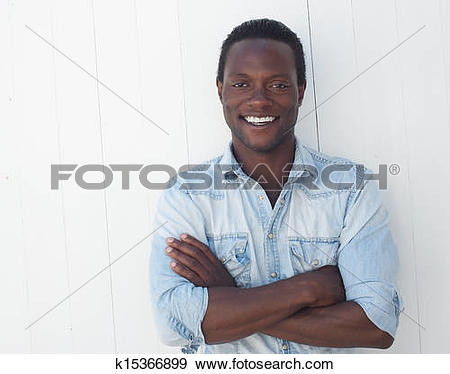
(368, 258)
(178, 305)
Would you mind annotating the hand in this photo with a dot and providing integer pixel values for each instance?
(197, 263)
(327, 286)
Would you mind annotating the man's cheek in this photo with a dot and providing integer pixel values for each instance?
(229, 113)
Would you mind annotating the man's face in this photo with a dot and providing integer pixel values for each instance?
(260, 84)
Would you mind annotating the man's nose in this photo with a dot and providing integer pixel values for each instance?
(259, 97)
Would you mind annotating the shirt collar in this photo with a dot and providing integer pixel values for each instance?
(303, 163)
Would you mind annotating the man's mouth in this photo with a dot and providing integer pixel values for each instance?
(259, 121)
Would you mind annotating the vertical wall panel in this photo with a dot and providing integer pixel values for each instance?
(425, 92)
(80, 143)
(13, 337)
(44, 234)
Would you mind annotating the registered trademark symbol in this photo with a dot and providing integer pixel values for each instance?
(394, 169)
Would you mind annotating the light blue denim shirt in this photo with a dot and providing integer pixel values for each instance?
(311, 225)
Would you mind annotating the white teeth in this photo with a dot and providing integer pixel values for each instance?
(255, 120)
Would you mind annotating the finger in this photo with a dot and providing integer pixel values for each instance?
(190, 263)
(191, 251)
(186, 273)
(202, 247)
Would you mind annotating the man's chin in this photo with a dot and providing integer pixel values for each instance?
(261, 146)
(264, 143)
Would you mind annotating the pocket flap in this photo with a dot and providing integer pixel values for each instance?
(314, 251)
(229, 246)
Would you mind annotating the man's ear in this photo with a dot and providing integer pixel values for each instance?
(219, 85)
(301, 93)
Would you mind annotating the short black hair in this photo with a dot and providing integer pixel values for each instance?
(267, 29)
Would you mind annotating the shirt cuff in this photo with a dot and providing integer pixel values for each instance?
(380, 301)
(184, 309)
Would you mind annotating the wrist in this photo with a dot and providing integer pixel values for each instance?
(308, 291)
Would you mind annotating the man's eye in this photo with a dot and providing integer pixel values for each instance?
(281, 85)
(239, 85)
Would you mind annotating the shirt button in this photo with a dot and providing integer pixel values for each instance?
(282, 201)
(222, 259)
(273, 275)
(270, 236)
(230, 175)
(285, 347)
(261, 197)
(316, 262)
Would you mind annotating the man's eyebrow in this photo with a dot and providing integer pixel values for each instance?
(239, 74)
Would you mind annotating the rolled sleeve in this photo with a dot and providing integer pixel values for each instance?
(368, 259)
(178, 305)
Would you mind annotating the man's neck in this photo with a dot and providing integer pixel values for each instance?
(272, 168)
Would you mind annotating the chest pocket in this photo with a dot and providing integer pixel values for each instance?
(308, 254)
(232, 250)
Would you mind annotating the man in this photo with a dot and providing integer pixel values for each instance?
(276, 258)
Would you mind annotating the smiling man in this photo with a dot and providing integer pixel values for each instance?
(274, 258)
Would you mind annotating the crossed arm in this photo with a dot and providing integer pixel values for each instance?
(307, 308)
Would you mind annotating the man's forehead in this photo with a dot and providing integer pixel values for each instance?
(260, 54)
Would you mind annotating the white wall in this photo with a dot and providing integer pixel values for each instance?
(116, 66)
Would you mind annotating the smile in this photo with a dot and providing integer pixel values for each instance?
(259, 121)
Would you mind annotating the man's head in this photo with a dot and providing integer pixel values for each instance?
(261, 77)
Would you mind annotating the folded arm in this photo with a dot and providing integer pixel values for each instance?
(341, 325)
